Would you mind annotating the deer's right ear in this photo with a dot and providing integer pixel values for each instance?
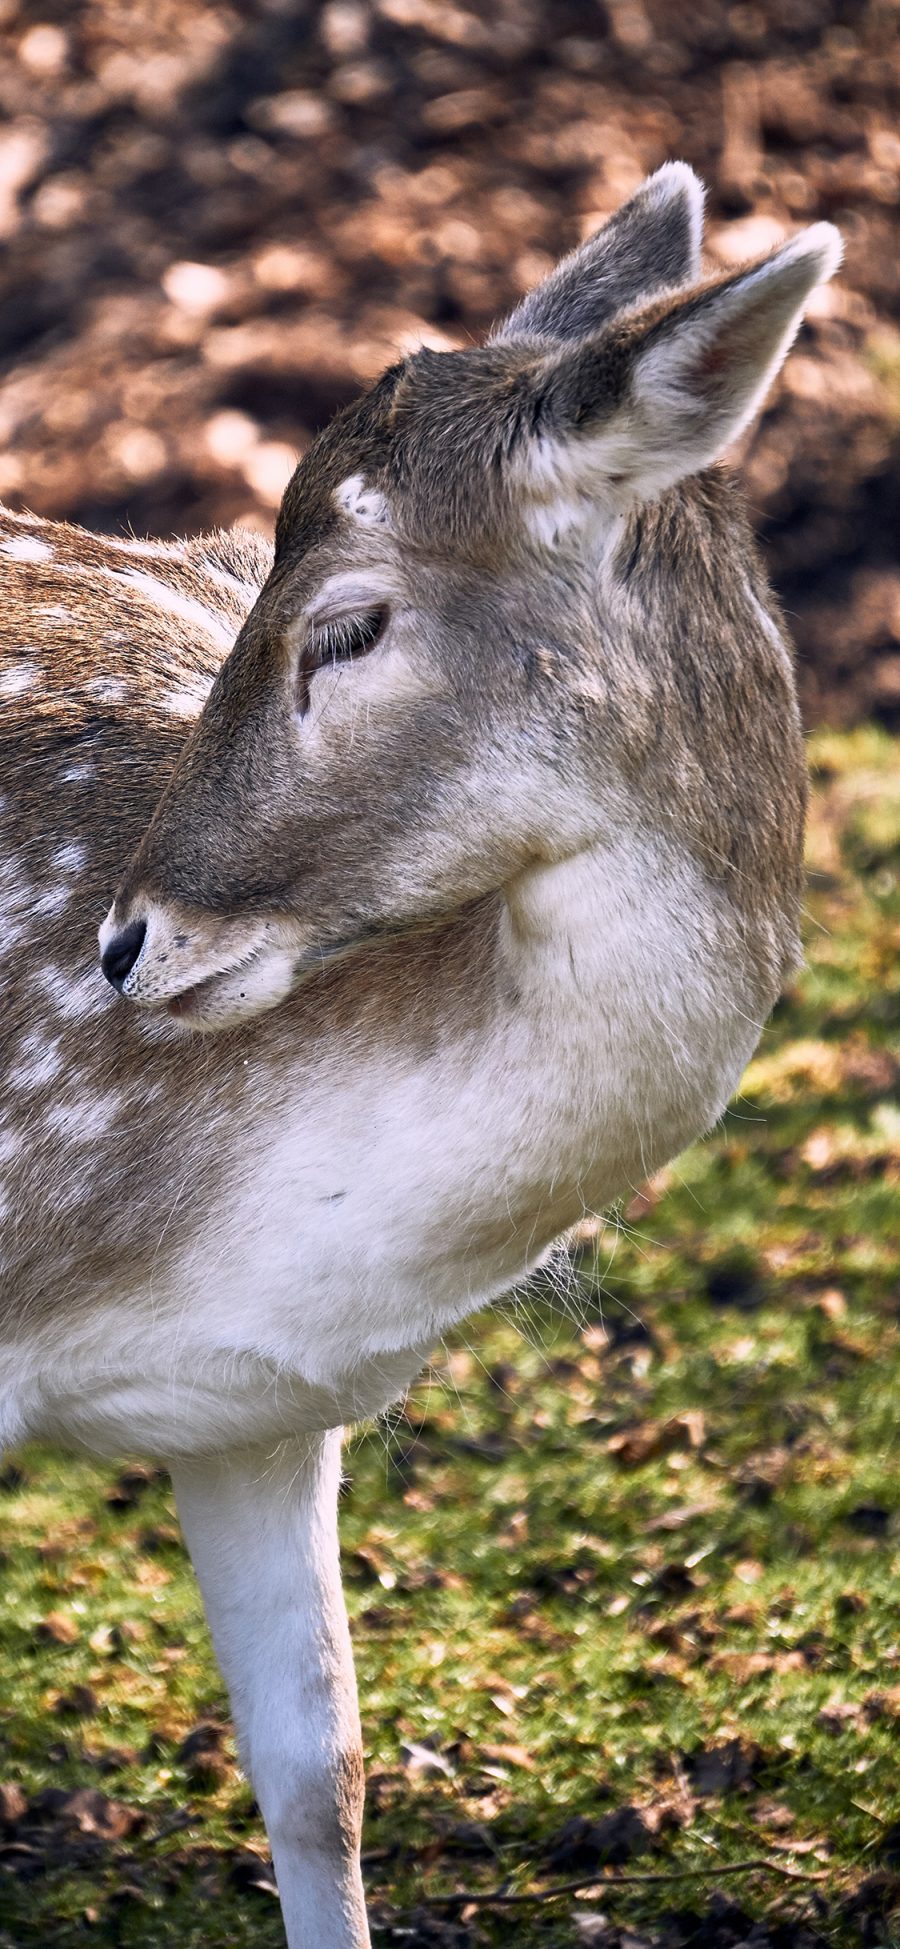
(663, 391)
(650, 244)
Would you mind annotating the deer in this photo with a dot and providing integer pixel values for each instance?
(455, 845)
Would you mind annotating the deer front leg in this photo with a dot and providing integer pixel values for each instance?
(262, 1533)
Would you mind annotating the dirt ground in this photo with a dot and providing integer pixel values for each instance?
(220, 220)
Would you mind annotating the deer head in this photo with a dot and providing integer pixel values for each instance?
(509, 616)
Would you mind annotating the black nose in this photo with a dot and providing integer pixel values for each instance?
(120, 954)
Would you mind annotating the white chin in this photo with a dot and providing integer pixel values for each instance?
(223, 1001)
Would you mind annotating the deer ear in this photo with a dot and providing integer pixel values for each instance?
(663, 391)
(651, 243)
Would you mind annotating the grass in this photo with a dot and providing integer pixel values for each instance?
(635, 1550)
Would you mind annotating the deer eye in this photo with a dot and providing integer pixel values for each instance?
(346, 638)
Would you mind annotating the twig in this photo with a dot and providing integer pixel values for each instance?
(174, 1826)
(498, 1897)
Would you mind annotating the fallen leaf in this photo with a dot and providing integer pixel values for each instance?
(57, 1628)
(507, 1755)
(645, 1440)
(686, 1512)
(882, 1704)
(13, 1804)
(131, 1483)
(201, 1755)
(832, 1303)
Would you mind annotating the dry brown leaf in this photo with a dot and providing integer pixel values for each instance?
(508, 1755)
(57, 1628)
(13, 1804)
(644, 1441)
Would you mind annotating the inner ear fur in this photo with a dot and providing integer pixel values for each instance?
(651, 243)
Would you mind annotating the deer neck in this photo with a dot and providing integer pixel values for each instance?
(569, 926)
(628, 967)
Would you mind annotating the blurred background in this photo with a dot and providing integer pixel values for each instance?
(221, 220)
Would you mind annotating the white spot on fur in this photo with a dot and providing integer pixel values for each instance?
(71, 857)
(26, 548)
(54, 900)
(243, 593)
(79, 1123)
(153, 549)
(362, 503)
(38, 1062)
(106, 690)
(55, 613)
(79, 774)
(74, 998)
(186, 702)
(171, 601)
(19, 678)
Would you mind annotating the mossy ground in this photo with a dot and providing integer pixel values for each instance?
(639, 1549)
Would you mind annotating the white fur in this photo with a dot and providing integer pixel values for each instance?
(106, 690)
(263, 1538)
(367, 1205)
(70, 857)
(87, 995)
(676, 180)
(19, 678)
(364, 504)
(186, 702)
(26, 548)
(349, 591)
(170, 600)
(37, 1062)
(53, 900)
(769, 627)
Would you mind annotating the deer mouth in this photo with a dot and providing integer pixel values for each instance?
(190, 1001)
(247, 987)
(199, 971)
(261, 979)
(183, 969)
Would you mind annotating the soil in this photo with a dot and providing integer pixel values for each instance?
(221, 220)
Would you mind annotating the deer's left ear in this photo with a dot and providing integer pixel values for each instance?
(651, 244)
(659, 394)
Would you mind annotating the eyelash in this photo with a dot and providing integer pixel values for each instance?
(337, 642)
(349, 637)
